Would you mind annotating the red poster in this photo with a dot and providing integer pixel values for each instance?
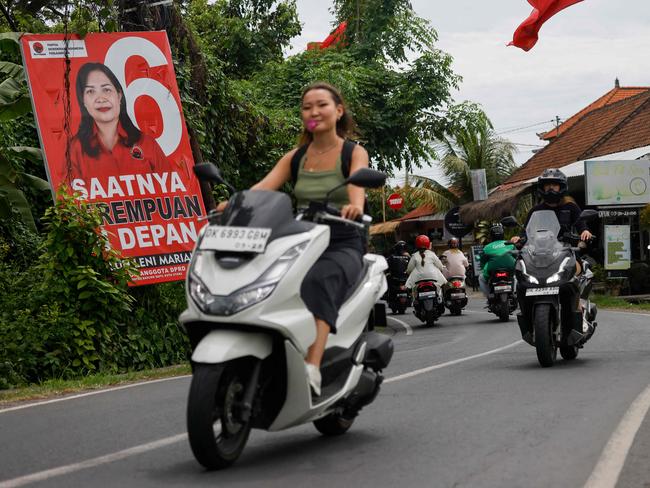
(128, 148)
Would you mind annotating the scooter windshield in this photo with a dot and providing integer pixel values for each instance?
(543, 246)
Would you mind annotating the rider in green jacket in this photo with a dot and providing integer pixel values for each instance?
(496, 255)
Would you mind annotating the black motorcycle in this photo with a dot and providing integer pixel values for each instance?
(398, 297)
(427, 305)
(455, 295)
(501, 299)
(549, 290)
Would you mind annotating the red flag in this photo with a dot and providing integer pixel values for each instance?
(525, 36)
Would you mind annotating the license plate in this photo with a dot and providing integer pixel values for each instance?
(427, 294)
(531, 292)
(502, 288)
(401, 295)
(237, 239)
(458, 295)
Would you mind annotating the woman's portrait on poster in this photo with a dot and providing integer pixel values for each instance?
(107, 141)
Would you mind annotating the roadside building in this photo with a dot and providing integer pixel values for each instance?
(613, 129)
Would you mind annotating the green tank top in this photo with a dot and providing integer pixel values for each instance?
(314, 185)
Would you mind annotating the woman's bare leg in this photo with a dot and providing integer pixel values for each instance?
(316, 350)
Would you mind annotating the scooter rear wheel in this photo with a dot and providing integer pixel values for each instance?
(504, 308)
(217, 435)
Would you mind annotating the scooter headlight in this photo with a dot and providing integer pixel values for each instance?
(555, 277)
(521, 266)
(249, 295)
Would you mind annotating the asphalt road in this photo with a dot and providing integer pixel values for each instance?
(464, 404)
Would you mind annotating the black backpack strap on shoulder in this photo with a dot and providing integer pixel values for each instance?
(295, 162)
(346, 157)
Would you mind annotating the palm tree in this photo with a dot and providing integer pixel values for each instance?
(471, 147)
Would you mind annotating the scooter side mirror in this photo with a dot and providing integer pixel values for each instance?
(588, 214)
(367, 178)
(509, 221)
(209, 172)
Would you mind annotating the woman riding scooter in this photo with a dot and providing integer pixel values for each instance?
(425, 265)
(454, 259)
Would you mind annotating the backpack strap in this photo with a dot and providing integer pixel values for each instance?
(295, 162)
(346, 156)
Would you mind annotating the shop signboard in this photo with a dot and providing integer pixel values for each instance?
(114, 133)
(617, 247)
(617, 182)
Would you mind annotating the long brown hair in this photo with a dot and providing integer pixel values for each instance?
(345, 126)
(422, 255)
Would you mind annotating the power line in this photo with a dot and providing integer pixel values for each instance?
(516, 129)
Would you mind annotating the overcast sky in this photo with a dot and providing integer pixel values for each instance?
(579, 54)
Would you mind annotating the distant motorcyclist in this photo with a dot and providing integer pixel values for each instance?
(398, 260)
(425, 265)
(454, 259)
(496, 255)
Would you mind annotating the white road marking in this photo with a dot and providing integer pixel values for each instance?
(428, 369)
(91, 393)
(611, 461)
(91, 463)
(409, 330)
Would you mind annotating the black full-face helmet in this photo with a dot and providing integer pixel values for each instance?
(399, 247)
(496, 232)
(554, 176)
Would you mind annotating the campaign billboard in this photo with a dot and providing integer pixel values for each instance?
(122, 144)
(617, 182)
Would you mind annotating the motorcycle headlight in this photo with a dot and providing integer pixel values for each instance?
(555, 277)
(521, 266)
(249, 295)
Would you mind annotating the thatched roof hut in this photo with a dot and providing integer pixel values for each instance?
(499, 204)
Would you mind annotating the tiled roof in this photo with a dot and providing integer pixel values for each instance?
(421, 211)
(616, 94)
(616, 127)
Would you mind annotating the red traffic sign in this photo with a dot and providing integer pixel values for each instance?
(395, 201)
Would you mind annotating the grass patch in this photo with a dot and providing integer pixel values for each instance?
(606, 301)
(54, 388)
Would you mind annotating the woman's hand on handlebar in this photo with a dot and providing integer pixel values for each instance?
(586, 235)
(351, 211)
(515, 239)
(221, 206)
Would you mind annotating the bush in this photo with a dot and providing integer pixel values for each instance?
(71, 313)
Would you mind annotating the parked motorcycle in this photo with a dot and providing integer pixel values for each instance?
(427, 305)
(455, 295)
(549, 290)
(502, 300)
(398, 297)
(249, 330)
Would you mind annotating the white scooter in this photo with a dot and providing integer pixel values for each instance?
(249, 329)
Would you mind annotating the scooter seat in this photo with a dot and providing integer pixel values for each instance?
(361, 279)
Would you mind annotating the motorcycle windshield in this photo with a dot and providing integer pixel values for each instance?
(268, 209)
(543, 246)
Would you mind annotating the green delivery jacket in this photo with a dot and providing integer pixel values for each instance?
(496, 255)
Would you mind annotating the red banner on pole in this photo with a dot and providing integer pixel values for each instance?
(126, 148)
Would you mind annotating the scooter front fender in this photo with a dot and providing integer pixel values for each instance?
(219, 346)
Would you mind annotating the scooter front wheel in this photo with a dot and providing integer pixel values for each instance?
(216, 433)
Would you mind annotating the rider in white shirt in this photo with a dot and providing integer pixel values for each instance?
(425, 265)
(454, 259)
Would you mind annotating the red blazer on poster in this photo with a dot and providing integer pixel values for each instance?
(526, 35)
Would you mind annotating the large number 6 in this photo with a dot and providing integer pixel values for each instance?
(116, 59)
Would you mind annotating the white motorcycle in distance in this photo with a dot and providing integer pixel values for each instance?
(249, 329)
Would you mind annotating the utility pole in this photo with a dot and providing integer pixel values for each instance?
(383, 202)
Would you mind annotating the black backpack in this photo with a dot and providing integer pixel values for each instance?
(346, 159)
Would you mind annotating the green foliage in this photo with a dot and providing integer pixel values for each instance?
(244, 34)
